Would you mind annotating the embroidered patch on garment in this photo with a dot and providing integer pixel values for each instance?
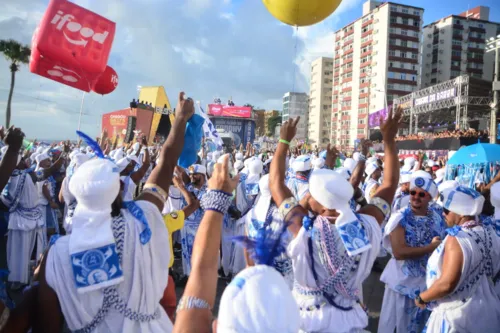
(252, 189)
(96, 266)
(354, 237)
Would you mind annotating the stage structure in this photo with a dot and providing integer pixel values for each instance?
(460, 100)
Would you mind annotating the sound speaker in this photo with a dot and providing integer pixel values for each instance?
(129, 136)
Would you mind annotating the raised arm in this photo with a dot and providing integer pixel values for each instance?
(279, 190)
(139, 174)
(359, 170)
(331, 157)
(14, 139)
(192, 203)
(161, 176)
(202, 282)
(386, 191)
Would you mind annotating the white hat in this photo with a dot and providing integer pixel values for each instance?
(330, 189)
(239, 156)
(258, 300)
(355, 156)
(421, 173)
(440, 173)
(404, 177)
(370, 168)
(426, 184)
(447, 184)
(238, 165)
(302, 163)
(350, 164)
(122, 164)
(134, 158)
(495, 196)
(198, 168)
(344, 172)
(462, 201)
(255, 167)
(431, 163)
(318, 163)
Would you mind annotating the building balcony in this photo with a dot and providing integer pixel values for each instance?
(405, 15)
(411, 83)
(364, 85)
(403, 48)
(370, 21)
(367, 33)
(348, 52)
(348, 33)
(456, 47)
(407, 60)
(477, 60)
(404, 26)
(458, 26)
(366, 43)
(455, 68)
(365, 64)
(404, 37)
(403, 70)
(456, 58)
(367, 53)
(361, 126)
(363, 95)
(477, 29)
(457, 37)
(477, 40)
(475, 50)
(362, 115)
(346, 108)
(346, 89)
(348, 60)
(346, 117)
(347, 42)
(349, 79)
(475, 70)
(363, 105)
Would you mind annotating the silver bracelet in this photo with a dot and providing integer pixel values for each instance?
(382, 205)
(216, 200)
(286, 206)
(191, 302)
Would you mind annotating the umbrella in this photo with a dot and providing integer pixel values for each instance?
(477, 153)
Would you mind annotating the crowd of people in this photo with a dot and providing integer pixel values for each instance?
(469, 133)
(297, 233)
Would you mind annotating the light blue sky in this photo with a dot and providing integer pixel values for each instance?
(208, 48)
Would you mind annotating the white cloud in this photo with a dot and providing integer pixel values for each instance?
(227, 16)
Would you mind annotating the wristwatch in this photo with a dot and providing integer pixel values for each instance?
(420, 300)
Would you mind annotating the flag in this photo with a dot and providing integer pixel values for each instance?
(209, 130)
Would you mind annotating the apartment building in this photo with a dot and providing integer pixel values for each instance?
(294, 105)
(376, 59)
(455, 45)
(320, 101)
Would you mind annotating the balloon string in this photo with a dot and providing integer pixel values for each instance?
(295, 57)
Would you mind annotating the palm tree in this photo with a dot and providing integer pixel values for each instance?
(17, 54)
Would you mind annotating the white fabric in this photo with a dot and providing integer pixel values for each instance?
(426, 184)
(145, 271)
(302, 163)
(447, 184)
(344, 172)
(369, 186)
(129, 187)
(198, 168)
(350, 164)
(40, 158)
(239, 156)
(440, 173)
(258, 301)
(405, 177)
(330, 189)
(238, 165)
(328, 318)
(495, 196)
(255, 167)
(370, 168)
(480, 312)
(462, 201)
(20, 245)
(318, 163)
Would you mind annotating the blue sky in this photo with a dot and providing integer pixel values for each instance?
(207, 48)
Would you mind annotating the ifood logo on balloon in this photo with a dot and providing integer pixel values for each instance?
(86, 33)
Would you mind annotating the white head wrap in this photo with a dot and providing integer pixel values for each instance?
(239, 156)
(495, 197)
(409, 163)
(355, 156)
(302, 163)
(447, 184)
(350, 164)
(258, 300)
(255, 167)
(462, 201)
(371, 167)
(198, 168)
(318, 163)
(238, 165)
(95, 185)
(40, 158)
(4, 149)
(440, 173)
(421, 173)
(405, 177)
(344, 172)
(426, 184)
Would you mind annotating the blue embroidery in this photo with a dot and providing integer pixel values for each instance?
(307, 223)
(238, 282)
(353, 236)
(252, 189)
(137, 212)
(95, 266)
(453, 231)
(419, 181)
(468, 191)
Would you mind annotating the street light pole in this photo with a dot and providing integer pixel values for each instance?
(494, 44)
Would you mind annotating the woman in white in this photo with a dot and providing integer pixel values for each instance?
(460, 271)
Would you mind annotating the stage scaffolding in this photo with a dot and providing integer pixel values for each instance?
(470, 101)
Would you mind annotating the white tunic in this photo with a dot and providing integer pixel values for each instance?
(145, 269)
(129, 187)
(473, 306)
(317, 314)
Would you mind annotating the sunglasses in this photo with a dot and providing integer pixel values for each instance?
(420, 194)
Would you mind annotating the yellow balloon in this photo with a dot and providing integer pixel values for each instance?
(301, 12)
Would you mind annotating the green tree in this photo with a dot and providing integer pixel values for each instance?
(272, 123)
(17, 54)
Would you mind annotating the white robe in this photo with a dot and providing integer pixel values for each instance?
(316, 314)
(473, 306)
(145, 271)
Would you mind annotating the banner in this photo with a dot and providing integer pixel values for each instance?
(374, 118)
(243, 130)
(220, 110)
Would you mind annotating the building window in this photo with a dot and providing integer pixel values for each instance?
(361, 121)
(403, 55)
(404, 32)
(393, 19)
(390, 75)
(416, 12)
(404, 43)
(456, 53)
(402, 76)
(394, 9)
(456, 42)
(415, 34)
(405, 10)
(405, 21)
(392, 53)
(414, 55)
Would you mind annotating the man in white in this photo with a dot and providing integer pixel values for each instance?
(373, 174)
(410, 236)
(299, 183)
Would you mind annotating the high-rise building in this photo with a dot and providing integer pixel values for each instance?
(268, 115)
(320, 101)
(376, 60)
(294, 105)
(455, 45)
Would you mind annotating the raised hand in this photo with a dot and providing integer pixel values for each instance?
(144, 141)
(185, 107)
(289, 129)
(14, 138)
(390, 126)
(221, 179)
(365, 146)
(178, 182)
(331, 156)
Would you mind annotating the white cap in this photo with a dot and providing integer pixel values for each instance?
(350, 164)
(330, 189)
(426, 184)
(404, 177)
(302, 163)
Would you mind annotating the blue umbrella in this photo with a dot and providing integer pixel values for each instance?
(477, 153)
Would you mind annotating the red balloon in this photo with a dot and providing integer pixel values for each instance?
(107, 82)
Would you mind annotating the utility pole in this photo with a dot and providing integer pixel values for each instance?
(494, 45)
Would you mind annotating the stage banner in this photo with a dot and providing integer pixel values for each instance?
(220, 110)
(374, 118)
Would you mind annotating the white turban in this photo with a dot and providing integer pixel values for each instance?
(405, 177)
(238, 165)
(255, 167)
(440, 175)
(239, 156)
(371, 167)
(462, 201)
(258, 300)
(344, 172)
(302, 163)
(426, 184)
(329, 188)
(350, 164)
(421, 173)
(318, 163)
(495, 196)
(198, 168)
(39, 159)
(447, 184)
